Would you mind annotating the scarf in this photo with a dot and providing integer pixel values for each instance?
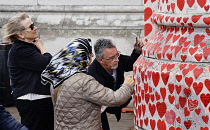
(72, 59)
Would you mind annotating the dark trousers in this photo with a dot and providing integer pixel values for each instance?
(36, 114)
(104, 121)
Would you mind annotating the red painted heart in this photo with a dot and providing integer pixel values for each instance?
(163, 93)
(155, 78)
(178, 88)
(190, 3)
(188, 124)
(171, 98)
(198, 87)
(187, 91)
(161, 125)
(161, 108)
(148, 29)
(205, 99)
(201, 3)
(152, 109)
(188, 81)
(147, 13)
(171, 88)
(186, 111)
(182, 101)
(152, 124)
(195, 18)
(205, 119)
(207, 84)
(180, 4)
(178, 119)
(192, 104)
(198, 38)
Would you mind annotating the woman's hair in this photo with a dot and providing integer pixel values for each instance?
(102, 44)
(13, 27)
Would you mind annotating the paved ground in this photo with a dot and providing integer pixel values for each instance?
(126, 122)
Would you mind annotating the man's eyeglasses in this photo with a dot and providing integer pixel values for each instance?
(113, 57)
(31, 27)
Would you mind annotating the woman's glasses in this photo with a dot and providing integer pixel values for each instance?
(31, 27)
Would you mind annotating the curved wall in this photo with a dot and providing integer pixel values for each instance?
(172, 75)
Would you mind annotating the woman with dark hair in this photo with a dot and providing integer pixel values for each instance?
(77, 96)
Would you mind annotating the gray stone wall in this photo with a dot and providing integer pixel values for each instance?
(59, 21)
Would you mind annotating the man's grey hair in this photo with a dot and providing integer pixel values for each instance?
(102, 44)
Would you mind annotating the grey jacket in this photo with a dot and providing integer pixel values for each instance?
(77, 102)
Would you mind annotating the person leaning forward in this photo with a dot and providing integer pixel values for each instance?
(108, 69)
(27, 58)
(77, 96)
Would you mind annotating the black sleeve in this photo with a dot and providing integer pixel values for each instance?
(128, 61)
(32, 59)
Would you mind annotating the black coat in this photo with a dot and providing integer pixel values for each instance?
(25, 65)
(125, 64)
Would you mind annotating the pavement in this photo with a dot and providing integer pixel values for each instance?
(126, 122)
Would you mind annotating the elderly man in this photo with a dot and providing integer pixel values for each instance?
(108, 68)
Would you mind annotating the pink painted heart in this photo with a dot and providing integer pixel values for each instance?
(170, 117)
(197, 72)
